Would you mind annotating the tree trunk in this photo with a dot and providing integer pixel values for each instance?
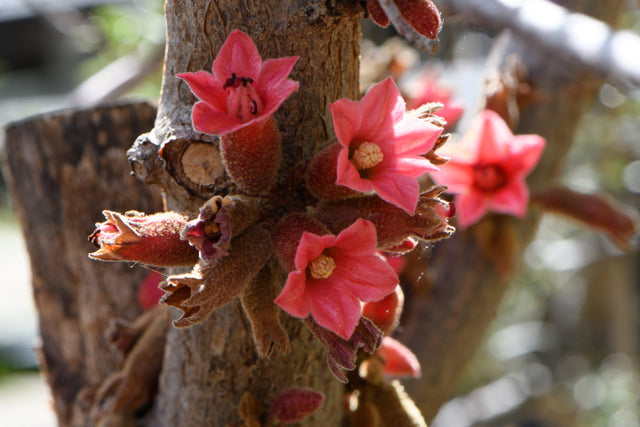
(63, 169)
(208, 367)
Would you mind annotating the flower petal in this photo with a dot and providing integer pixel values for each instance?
(293, 298)
(494, 137)
(524, 153)
(207, 88)
(347, 117)
(237, 55)
(347, 175)
(470, 207)
(359, 239)
(370, 278)
(512, 199)
(382, 108)
(458, 177)
(400, 190)
(333, 307)
(414, 136)
(207, 119)
(310, 247)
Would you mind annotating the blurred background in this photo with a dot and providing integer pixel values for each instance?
(563, 350)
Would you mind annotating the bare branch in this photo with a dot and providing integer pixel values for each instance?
(561, 33)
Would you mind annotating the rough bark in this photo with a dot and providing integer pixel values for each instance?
(209, 367)
(63, 169)
(471, 271)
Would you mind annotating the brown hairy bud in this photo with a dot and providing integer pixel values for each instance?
(252, 156)
(148, 239)
(422, 15)
(257, 301)
(220, 219)
(393, 225)
(215, 284)
(296, 404)
(288, 234)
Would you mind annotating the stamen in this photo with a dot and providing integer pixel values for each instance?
(322, 267)
(367, 155)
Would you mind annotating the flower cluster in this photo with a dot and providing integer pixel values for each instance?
(362, 196)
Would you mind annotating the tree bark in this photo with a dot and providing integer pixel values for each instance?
(208, 367)
(471, 271)
(63, 169)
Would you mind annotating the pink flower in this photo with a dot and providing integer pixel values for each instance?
(488, 168)
(241, 88)
(428, 89)
(333, 274)
(382, 146)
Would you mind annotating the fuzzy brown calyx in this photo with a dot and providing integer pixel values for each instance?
(214, 284)
(148, 239)
(257, 301)
(252, 156)
(322, 174)
(393, 225)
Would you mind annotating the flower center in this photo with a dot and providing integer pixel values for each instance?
(489, 178)
(243, 100)
(366, 156)
(322, 267)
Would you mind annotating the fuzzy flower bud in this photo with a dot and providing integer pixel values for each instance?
(296, 404)
(393, 225)
(215, 284)
(148, 239)
(385, 314)
(422, 15)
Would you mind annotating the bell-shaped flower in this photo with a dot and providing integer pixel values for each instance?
(334, 274)
(488, 167)
(382, 147)
(241, 89)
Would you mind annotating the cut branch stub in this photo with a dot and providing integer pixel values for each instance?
(195, 163)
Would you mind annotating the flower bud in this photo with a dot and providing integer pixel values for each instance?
(215, 284)
(399, 360)
(257, 302)
(296, 404)
(393, 225)
(148, 239)
(385, 314)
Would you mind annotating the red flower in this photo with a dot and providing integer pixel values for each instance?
(487, 169)
(382, 146)
(333, 274)
(241, 88)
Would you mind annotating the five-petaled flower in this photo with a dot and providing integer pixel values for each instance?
(334, 274)
(488, 167)
(241, 89)
(382, 146)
